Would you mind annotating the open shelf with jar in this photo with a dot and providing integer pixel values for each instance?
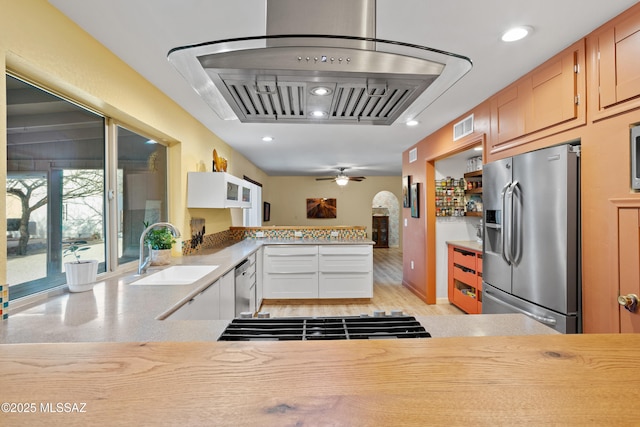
(450, 200)
(473, 193)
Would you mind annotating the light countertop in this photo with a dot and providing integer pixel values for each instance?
(116, 311)
(468, 244)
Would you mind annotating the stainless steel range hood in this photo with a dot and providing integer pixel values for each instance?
(319, 62)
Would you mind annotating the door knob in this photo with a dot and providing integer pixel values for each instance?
(630, 302)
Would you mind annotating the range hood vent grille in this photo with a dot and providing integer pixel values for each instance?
(288, 101)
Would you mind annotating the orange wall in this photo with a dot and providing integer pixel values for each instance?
(605, 160)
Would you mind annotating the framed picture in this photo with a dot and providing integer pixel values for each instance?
(321, 208)
(266, 212)
(406, 196)
(415, 205)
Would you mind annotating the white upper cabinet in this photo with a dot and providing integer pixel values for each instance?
(217, 190)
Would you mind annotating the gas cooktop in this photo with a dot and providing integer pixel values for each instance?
(323, 328)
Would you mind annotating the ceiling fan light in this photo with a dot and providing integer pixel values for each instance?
(342, 180)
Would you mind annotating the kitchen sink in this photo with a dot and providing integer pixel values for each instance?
(177, 275)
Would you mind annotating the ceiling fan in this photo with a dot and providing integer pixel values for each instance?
(342, 179)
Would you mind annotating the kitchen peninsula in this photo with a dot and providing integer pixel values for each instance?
(106, 357)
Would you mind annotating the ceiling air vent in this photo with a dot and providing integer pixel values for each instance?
(463, 128)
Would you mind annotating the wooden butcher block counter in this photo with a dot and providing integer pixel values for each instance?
(472, 381)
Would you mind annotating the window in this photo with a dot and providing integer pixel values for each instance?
(141, 194)
(57, 175)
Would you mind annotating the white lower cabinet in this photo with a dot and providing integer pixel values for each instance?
(204, 306)
(322, 271)
(291, 285)
(259, 279)
(227, 296)
(346, 285)
(290, 272)
(346, 271)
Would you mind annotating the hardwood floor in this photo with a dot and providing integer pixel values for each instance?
(388, 294)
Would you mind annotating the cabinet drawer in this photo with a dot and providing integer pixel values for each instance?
(346, 285)
(252, 258)
(479, 264)
(345, 250)
(291, 260)
(465, 259)
(465, 302)
(468, 277)
(346, 263)
(294, 285)
(290, 250)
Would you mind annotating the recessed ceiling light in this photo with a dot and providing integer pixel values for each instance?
(320, 91)
(412, 123)
(516, 33)
(267, 138)
(319, 114)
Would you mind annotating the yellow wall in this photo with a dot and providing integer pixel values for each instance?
(289, 194)
(41, 45)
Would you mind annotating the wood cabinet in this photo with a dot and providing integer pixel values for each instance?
(465, 278)
(547, 100)
(473, 193)
(615, 53)
(312, 271)
(628, 255)
(380, 231)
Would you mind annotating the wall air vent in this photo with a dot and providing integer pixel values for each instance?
(413, 155)
(463, 128)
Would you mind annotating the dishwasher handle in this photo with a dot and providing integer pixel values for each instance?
(242, 268)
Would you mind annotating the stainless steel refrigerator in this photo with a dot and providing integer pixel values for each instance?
(531, 248)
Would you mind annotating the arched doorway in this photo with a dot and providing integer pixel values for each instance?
(386, 203)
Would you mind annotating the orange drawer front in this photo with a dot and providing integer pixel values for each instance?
(465, 259)
(465, 302)
(468, 277)
(479, 265)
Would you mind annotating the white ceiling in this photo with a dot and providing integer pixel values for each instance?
(141, 32)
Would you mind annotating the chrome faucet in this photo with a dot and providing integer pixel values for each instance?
(142, 265)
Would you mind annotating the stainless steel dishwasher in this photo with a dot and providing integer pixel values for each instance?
(245, 288)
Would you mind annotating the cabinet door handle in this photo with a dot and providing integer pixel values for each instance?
(629, 302)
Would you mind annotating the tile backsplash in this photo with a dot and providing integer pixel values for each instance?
(209, 241)
(4, 301)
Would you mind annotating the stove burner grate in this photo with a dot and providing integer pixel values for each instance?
(323, 328)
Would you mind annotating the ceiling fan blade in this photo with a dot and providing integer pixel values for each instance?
(326, 179)
(356, 178)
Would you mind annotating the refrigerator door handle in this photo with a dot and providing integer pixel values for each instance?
(550, 321)
(505, 227)
(510, 194)
(546, 320)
